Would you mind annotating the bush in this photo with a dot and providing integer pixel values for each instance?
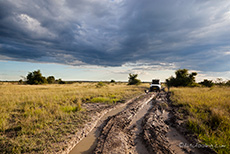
(35, 77)
(183, 78)
(227, 83)
(133, 79)
(207, 83)
(20, 81)
(50, 79)
(100, 84)
(59, 81)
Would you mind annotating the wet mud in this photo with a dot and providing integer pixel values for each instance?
(147, 125)
(85, 140)
(116, 136)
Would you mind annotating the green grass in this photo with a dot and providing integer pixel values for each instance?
(37, 118)
(208, 112)
(108, 100)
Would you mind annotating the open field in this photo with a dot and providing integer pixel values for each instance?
(207, 111)
(41, 118)
(35, 118)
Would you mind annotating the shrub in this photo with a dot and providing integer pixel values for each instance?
(207, 83)
(59, 81)
(227, 83)
(50, 79)
(183, 78)
(35, 77)
(20, 81)
(133, 79)
(100, 84)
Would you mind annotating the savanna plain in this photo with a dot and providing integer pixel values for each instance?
(39, 118)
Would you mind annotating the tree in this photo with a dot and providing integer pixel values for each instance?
(169, 82)
(35, 77)
(133, 79)
(20, 81)
(219, 81)
(60, 81)
(112, 81)
(227, 83)
(50, 79)
(183, 78)
(207, 83)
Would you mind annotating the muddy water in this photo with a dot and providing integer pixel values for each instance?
(178, 143)
(136, 124)
(87, 145)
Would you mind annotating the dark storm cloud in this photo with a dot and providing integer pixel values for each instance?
(193, 34)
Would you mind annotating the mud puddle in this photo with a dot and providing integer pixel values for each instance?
(136, 128)
(178, 143)
(87, 145)
(118, 136)
(144, 126)
(159, 135)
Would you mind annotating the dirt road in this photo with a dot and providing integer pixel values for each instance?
(145, 126)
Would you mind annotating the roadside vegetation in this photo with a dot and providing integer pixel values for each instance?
(205, 107)
(207, 114)
(37, 118)
(133, 79)
(183, 79)
(36, 78)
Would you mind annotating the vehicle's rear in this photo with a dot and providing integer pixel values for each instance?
(155, 86)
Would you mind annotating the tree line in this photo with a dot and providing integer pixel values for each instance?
(185, 79)
(182, 79)
(36, 78)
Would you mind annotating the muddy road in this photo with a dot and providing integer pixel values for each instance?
(145, 125)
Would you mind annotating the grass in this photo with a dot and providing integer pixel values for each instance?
(208, 111)
(38, 118)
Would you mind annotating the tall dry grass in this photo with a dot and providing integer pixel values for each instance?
(35, 117)
(208, 112)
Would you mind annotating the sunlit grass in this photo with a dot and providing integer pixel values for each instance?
(35, 117)
(209, 114)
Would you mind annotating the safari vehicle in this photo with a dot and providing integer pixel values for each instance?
(155, 86)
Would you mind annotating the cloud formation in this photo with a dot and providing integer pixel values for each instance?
(186, 34)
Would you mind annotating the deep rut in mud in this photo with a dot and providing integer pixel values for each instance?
(143, 127)
(116, 136)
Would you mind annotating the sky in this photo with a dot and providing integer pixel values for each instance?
(108, 39)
